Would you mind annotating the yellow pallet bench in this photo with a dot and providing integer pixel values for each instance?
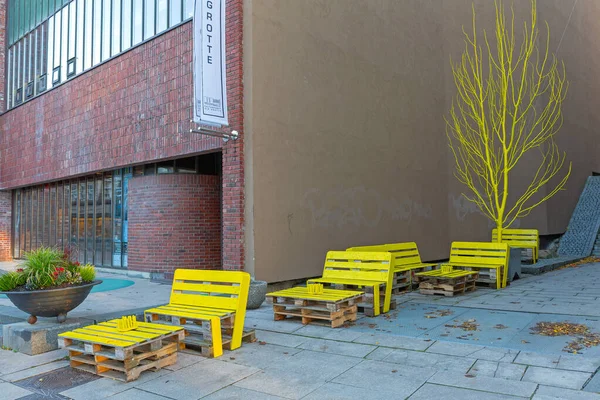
(360, 269)
(520, 238)
(481, 255)
(405, 257)
(209, 305)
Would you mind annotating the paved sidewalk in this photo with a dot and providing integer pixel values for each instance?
(419, 351)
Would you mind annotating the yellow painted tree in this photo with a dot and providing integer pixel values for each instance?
(508, 104)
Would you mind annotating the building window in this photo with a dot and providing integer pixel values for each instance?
(56, 40)
(78, 213)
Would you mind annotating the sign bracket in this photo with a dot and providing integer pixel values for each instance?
(215, 133)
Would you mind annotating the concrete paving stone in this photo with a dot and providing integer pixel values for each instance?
(313, 331)
(335, 347)
(136, 394)
(538, 360)
(454, 349)
(495, 354)
(319, 365)
(430, 360)
(200, 379)
(379, 353)
(238, 393)
(12, 362)
(484, 368)
(484, 383)
(343, 335)
(280, 339)
(334, 391)
(398, 342)
(103, 388)
(556, 377)
(270, 325)
(593, 385)
(430, 391)
(259, 356)
(386, 377)
(288, 384)
(577, 362)
(185, 359)
(11, 392)
(27, 373)
(554, 393)
(510, 371)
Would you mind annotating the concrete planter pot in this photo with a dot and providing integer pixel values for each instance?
(52, 302)
(256, 294)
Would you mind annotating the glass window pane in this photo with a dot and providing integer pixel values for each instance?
(97, 35)
(90, 222)
(175, 12)
(27, 220)
(52, 216)
(34, 218)
(79, 39)
(23, 220)
(118, 222)
(148, 19)
(57, 38)
(116, 27)
(45, 215)
(189, 9)
(161, 15)
(60, 215)
(99, 223)
(16, 222)
(66, 214)
(138, 21)
(88, 42)
(107, 237)
(45, 9)
(186, 165)
(126, 24)
(126, 178)
(9, 82)
(64, 43)
(165, 167)
(50, 57)
(72, 199)
(81, 221)
(72, 29)
(106, 29)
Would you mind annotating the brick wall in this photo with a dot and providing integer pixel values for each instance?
(174, 222)
(133, 109)
(5, 226)
(2, 54)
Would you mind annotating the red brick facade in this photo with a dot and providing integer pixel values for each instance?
(131, 110)
(174, 222)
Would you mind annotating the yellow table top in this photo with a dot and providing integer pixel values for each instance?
(328, 295)
(107, 333)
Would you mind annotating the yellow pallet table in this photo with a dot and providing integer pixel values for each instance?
(108, 351)
(331, 306)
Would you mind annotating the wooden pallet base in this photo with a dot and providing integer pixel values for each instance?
(414, 279)
(368, 310)
(446, 286)
(102, 362)
(315, 314)
(195, 343)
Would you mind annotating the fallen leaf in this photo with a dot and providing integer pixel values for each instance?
(232, 358)
(524, 341)
(469, 376)
(500, 326)
(262, 343)
(394, 371)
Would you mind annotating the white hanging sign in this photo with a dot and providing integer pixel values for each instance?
(210, 75)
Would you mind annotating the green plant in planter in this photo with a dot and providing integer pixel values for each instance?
(45, 268)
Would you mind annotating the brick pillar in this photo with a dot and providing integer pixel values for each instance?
(233, 151)
(5, 225)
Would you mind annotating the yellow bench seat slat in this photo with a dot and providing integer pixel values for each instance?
(185, 314)
(154, 329)
(343, 281)
(194, 310)
(97, 339)
(133, 334)
(204, 288)
(327, 295)
(453, 274)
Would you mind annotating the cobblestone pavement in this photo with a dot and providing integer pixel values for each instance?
(478, 346)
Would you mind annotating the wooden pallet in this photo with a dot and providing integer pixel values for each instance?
(366, 305)
(332, 310)
(401, 282)
(414, 271)
(198, 332)
(122, 363)
(447, 286)
(487, 278)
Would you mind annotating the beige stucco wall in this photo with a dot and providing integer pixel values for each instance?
(344, 104)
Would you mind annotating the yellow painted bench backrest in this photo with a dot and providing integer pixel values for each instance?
(403, 254)
(369, 266)
(530, 236)
(479, 253)
(224, 290)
